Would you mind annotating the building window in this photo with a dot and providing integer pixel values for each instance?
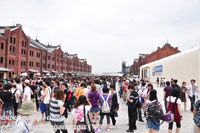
(13, 62)
(22, 43)
(10, 48)
(25, 44)
(14, 40)
(24, 63)
(11, 39)
(53, 66)
(24, 52)
(49, 57)
(21, 63)
(48, 65)
(44, 65)
(2, 45)
(1, 61)
(9, 62)
(13, 49)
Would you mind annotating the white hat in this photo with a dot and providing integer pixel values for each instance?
(27, 81)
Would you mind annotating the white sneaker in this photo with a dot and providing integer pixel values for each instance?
(114, 127)
(98, 129)
(108, 129)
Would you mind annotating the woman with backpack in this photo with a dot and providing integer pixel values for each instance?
(94, 100)
(105, 108)
(196, 115)
(153, 122)
(174, 105)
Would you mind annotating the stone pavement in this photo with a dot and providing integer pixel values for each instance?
(122, 121)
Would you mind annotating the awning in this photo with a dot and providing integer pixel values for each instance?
(54, 72)
(65, 72)
(2, 69)
(33, 71)
(44, 71)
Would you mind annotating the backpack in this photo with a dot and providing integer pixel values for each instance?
(105, 107)
(155, 113)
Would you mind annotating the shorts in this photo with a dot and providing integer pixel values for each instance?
(142, 99)
(94, 110)
(42, 107)
(155, 125)
(9, 116)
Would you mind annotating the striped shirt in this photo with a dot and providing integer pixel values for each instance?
(55, 110)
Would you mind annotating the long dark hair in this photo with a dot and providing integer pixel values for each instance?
(81, 101)
(153, 95)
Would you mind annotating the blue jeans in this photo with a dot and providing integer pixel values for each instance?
(5, 109)
(46, 111)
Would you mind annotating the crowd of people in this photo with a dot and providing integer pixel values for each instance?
(89, 99)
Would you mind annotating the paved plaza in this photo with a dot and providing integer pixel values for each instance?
(122, 121)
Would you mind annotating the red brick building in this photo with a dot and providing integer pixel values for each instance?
(160, 53)
(19, 53)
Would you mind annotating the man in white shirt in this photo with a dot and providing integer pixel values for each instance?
(192, 93)
(27, 91)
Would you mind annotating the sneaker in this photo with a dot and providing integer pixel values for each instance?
(129, 131)
(108, 129)
(114, 127)
(98, 129)
(141, 120)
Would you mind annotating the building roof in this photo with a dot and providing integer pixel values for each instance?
(1, 36)
(173, 56)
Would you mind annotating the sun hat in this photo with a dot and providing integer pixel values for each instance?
(27, 108)
(27, 81)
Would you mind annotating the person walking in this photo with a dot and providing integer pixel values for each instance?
(80, 91)
(46, 94)
(174, 105)
(105, 100)
(7, 99)
(114, 105)
(27, 91)
(94, 99)
(167, 92)
(192, 93)
(16, 98)
(56, 111)
(196, 116)
(183, 94)
(80, 114)
(152, 122)
(133, 104)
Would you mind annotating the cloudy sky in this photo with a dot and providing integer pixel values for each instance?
(107, 32)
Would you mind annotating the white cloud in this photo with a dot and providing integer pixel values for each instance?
(107, 32)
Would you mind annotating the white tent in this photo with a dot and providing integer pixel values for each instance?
(183, 66)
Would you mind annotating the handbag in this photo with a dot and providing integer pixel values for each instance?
(169, 116)
(87, 130)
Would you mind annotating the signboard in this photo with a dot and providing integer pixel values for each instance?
(157, 70)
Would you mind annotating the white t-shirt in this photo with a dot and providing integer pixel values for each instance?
(192, 90)
(173, 100)
(99, 88)
(20, 88)
(27, 92)
(47, 97)
(77, 113)
(86, 92)
(16, 93)
(21, 126)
